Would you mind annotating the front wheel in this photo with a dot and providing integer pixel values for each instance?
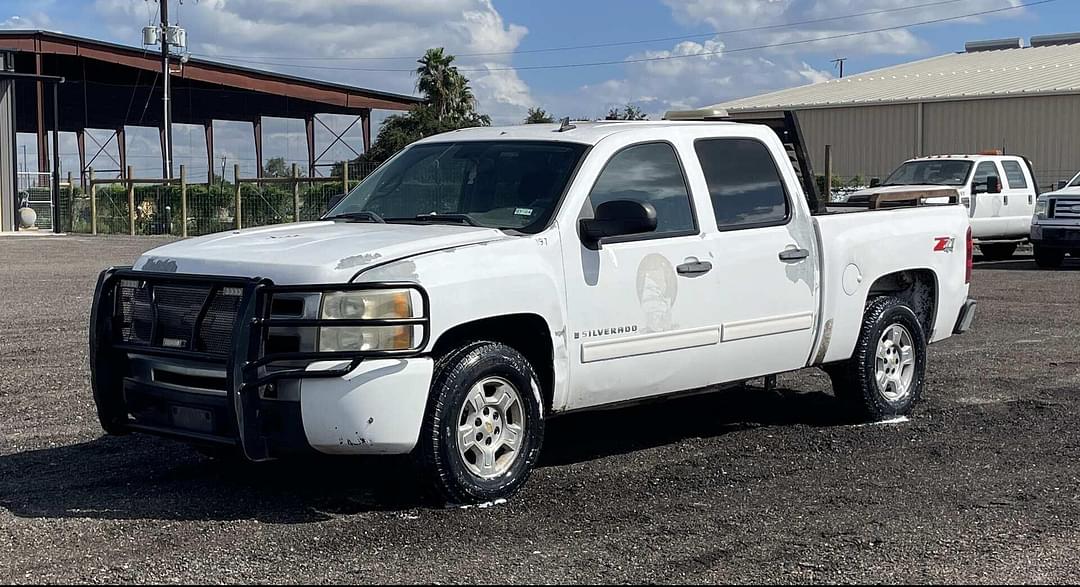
(884, 377)
(1049, 258)
(484, 424)
(998, 251)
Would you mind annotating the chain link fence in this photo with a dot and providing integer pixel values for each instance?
(174, 207)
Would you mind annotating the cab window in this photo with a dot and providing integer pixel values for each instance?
(650, 173)
(985, 170)
(1015, 175)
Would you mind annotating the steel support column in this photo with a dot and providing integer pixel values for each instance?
(309, 123)
(121, 147)
(257, 128)
(80, 138)
(208, 129)
(42, 140)
(365, 128)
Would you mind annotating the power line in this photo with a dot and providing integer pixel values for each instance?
(605, 45)
(672, 57)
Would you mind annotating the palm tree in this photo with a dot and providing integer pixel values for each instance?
(438, 80)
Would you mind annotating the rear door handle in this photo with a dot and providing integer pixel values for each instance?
(790, 255)
(694, 268)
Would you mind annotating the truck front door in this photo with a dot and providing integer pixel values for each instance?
(642, 313)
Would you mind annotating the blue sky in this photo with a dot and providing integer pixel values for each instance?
(345, 34)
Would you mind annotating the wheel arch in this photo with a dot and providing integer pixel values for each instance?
(527, 333)
(918, 288)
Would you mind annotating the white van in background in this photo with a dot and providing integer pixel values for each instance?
(998, 190)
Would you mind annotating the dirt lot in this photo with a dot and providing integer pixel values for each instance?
(741, 486)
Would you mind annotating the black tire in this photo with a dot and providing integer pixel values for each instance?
(1049, 258)
(437, 453)
(998, 251)
(855, 383)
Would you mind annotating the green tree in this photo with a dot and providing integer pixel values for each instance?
(449, 104)
(538, 116)
(276, 168)
(629, 112)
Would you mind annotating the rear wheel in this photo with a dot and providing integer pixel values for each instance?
(1049, 258)
(884, 377)
(484, 424)
(998, 251)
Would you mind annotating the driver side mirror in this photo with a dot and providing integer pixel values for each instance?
(617, 218)
(992, 185)
(875, 182)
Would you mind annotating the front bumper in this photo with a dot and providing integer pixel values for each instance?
(966, 317)
(1056, 237)
(239, 406)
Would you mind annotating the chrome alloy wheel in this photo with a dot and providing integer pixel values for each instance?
(895, 363)
(491, 427)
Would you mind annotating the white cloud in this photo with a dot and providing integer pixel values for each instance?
(270, 33)
(729, 65)
(37, 20)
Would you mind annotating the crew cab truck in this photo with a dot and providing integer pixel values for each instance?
(1055, 227)
(484, 280)
(998, 190)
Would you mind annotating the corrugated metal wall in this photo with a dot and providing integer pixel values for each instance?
(867, 141)
(870, 141)
(1044, 128)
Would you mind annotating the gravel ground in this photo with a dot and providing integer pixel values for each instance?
(741, 486)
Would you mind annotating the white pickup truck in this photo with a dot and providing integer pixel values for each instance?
(484, 280)
(1055, 228)
(998, 190)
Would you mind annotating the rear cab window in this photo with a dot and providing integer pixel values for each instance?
(744, 183)
(1014, 173)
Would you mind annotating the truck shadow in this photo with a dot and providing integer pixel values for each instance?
(589, 435)
(139, 477)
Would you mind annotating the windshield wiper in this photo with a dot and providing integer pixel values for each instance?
(363, 216)
(438, 217)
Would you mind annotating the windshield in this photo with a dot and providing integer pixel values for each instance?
(933, 172)
(498, 184)
(1075, 183)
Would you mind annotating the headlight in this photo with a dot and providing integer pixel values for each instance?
(366, 305)
(1041, 209)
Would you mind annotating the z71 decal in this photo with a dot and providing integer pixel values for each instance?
(945, 244)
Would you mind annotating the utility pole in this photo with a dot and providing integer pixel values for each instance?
(839, 62)
(166, 145)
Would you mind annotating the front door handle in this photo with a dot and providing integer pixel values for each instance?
(694, 268)
(791, 255)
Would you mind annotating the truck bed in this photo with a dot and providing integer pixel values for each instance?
(856, 253)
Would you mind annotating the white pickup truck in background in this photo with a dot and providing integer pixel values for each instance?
(998, 190)
(483, 280)
(1055, 228)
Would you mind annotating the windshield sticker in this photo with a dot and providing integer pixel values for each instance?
(523, 212)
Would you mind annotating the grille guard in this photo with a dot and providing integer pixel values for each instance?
(247, 365)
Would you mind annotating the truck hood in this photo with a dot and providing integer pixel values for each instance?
(1073, 192)
(308, 252)
(864, 195)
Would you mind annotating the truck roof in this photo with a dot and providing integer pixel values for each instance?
(588, 133)
(976, 157)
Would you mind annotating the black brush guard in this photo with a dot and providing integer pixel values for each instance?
(248, 367)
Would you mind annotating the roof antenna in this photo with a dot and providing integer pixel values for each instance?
(564, 125)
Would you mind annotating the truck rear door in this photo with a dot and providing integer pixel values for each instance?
(1019, 190)
(765, 255)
